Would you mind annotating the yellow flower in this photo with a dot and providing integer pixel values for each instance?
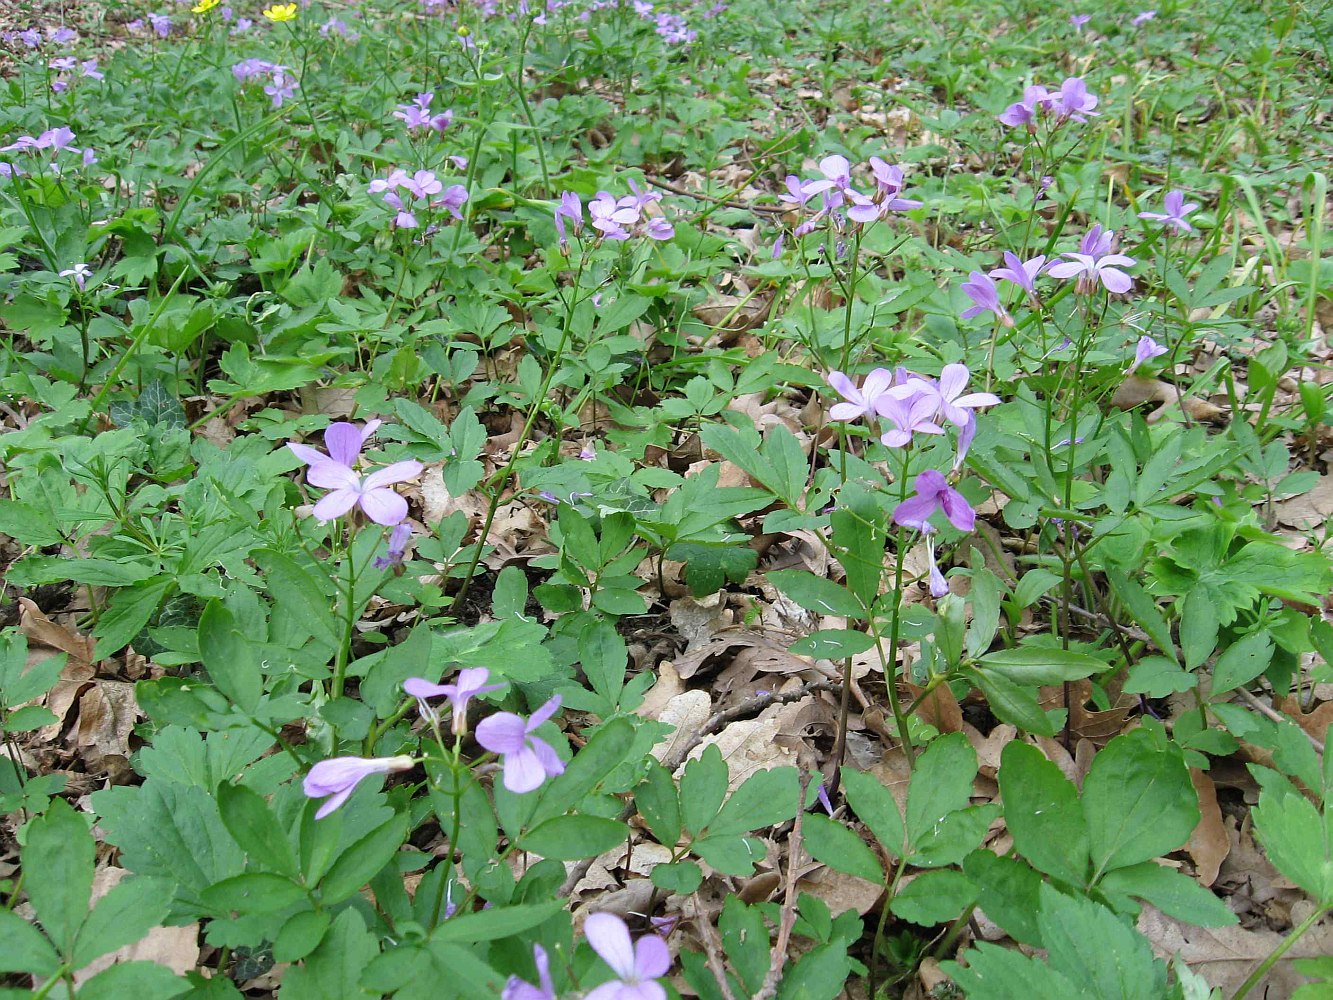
(204, 5)
(281, 12)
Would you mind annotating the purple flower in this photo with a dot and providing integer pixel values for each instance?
(888, 183)
(933, 493)
(455, 196)
(860, 402)
(570, 208)
(80, 273)
(981, 290)
(1022, 273)
(161, 24)
(335, 472)
(1025, 111)
(909, 414)
(1090, 270)
(610, 217)
(1176, 212)
(470, 682)
(1097, 242)
(89, 67)
(954, 406)
(1078, 20)
(282, 87)
(62, 35)
(1143, 17)
(1073, 100)
(939, 587)
(528, 760)
(517, 989)
(249, 68)
(32, 38)
(795, 196)
(1145, 351)
(340, 776)
(397, 551)
(637, 965)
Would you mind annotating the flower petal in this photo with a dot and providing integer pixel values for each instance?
(398, 472)
(523, 772)
(419, 687)
(609, 937)
(651, 957)
(335, 504)
(915, 512)
(543, 713)
(503, 732)
(344, 442)
(330, 475)
(383, 506)
(307, 454)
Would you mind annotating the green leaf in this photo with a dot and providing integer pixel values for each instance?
(820, 974)
(25, 948)
(333, 970)
(1297, 839)
(123, 916)
(1138, 801)
(229, 657)
(709, 566)
(569, 838)
(1012, 703)
(954, 836)
(941, 784)
(815, 593)
(659, 804)
(838, 847)
(59, 856)
(1143, 611)
(681, 877)
(730, 854)
(935, 897)
(1158, 677)
(1037, 665)
(601, 755)
(995, 973)
(1041, 810)
(702, 789)
(1095, 948)
(1199, 622)
(127, 613)
(294, 585)
(301, 935)
(603, 657)
(763, 799)
(858, 540)
(745, 939)
(1007, 890)
(253, 892)
(20, 682)
(27, 525)
(1174, 894)
(362, 861)
(134, 981)
(496, 923)
(1242, 662)
(832, 644)
(875, 806)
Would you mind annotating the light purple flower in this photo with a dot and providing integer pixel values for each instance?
(860, 402)
(455, 197)
(1090, 270)
(1145, 351)
(470, 682)
(1078, 20)
(939, 586)
(282, 87)
(933, 493)
(80, 272)
(161, 24)
(570, 208)
(1097, 242)
(528, 760)
(1024, 112)
(397, 551)
(32, 38)
(1143, 17)
(1176, 212)
(1073, 100)
(335, 472)
(610, 217)
(795, 196)
(340, 776)
(517, 989)
(954, 405)
(981, 290)
(889, 182)
(912, 413)
(62, 35)
(89, 67)
(1022, 273)
(637, 965)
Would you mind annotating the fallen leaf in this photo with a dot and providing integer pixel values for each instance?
(687, 712)
(177, 948)
(1135, 391)
(1208, 844)
(1309, 510)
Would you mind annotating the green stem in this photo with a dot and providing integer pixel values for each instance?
(1283, 947)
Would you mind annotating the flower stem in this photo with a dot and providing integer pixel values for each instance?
(1283, 947)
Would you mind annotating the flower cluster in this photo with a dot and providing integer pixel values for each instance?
(910, 404)
(336, 471)
(281, 86)
(55, 139)
(843, 203)
(637, 965)
(417, 115)
(1071, 102)
(67, 65)
(421, 186)
(616, 219)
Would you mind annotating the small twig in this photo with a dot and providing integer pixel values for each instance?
(788, 919)
(1269, 712)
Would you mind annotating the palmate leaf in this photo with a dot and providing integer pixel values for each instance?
(709, 566)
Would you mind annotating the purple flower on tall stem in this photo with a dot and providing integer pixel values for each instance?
(517, 989)
(570, 208)
(340, 776)
(80, 272)
(335, 471)
(528, 760)
(981, 290)
(1079, 20)
(1176, 212)
(939, 586)
(954, 405)
(397, 550)
(1145, 351)
(1073, 100)
(1024, 112)
(933, 493)
(469, 683)
(860, 402)
(637, 964)
(1097, 242)
(1022, 273)
(910, 413)
(1090, 270)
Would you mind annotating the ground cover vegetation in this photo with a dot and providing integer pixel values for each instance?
(631, 500)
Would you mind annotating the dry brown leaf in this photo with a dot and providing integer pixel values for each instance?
(1208, 844)
(841, 892)
(1086, 723)
(1309, 510)
(939, 708)
(177, 948)
(748, 746)
(108, 714)
(1315, 722)
(687, 712)
(1135, 391)
(669, 684)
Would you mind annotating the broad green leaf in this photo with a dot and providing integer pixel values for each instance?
(229, 657)
(955, 836)
(1143, 611)
(1041, 810)
(1174, 894)
(702, 789)
(858, 541)
(1297, 839)
(249, 819)
(934, 897)
(764, 798)
(25, 948)
(1007, 891)
(301, 935)
(710, 566)
(20, 682)
(496, 923)
(681, 877)
(817, 594)
(1037, 665)
(599, 757)
(59, 856)
(362, 861)
(1242, 662)
(820, 974)
(996, 973)
(730, 854)
(333, 970)
(838, 847)
(875, 806)
(832, 644)
(659, 804)
(253, 892)
(1138, 801)
(123, 916)
(1095, 948)
(569, 838)
(134, 981)
(941, 784)
(1012, 703)
(127, 613)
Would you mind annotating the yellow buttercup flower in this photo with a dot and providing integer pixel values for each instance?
(203, 6)
(281, 12)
